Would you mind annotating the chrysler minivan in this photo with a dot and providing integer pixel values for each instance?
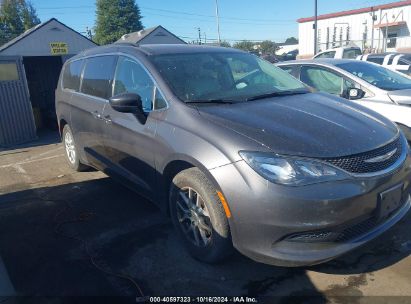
(237, 152)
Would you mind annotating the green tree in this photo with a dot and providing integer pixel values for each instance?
(16, 16)
(291, 40)
(116, 18)
(268, 47)
(225, 44)
(244, 45)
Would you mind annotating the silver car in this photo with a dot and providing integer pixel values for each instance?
(368, 84)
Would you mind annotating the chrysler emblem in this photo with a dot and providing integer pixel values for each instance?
(381, 158)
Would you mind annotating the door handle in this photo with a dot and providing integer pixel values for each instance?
(107, 119)
(96, 115)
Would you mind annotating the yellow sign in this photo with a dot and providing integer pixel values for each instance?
(58, 48)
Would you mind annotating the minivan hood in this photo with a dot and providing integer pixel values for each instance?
(401, 96)
(311, 125)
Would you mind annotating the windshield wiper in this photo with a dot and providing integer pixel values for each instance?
(277, 94)
(210, 101)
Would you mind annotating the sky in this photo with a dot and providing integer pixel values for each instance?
(239, 19)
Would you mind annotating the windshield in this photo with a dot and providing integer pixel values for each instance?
(223, 76)
(379, 76)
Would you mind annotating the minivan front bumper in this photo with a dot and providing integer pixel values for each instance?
(306, 225)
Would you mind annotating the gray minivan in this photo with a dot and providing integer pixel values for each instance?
(238, 152)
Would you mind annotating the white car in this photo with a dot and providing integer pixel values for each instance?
(368, 84)
(348, 52)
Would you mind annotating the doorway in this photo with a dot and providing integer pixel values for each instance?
(42, 73)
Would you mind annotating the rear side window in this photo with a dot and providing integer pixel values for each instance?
(72, 74)
(98, 76)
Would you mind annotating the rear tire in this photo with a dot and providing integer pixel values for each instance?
(71, 151)
(199, 217)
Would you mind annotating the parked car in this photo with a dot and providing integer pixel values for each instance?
(349, 52)
(235, 150)
(291, 55)
(368, 84)
(400, 62)
(270, 58)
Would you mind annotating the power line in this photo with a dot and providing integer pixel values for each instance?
(180, 13)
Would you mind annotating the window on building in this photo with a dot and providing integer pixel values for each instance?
(98, 75)
(8, 71)
(72, 74)
(392, 40)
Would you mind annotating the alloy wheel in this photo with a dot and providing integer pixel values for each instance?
(70, 148)
(193, 216)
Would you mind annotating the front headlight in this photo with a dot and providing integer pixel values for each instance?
(292, 171)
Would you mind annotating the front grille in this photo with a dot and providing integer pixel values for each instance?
(357, 230)
(357, 163)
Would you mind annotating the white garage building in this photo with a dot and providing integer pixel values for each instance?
(375, 29)
(30, 67)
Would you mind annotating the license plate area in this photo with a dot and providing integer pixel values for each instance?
(389, 201)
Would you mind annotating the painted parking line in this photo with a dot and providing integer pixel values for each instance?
(33, 160)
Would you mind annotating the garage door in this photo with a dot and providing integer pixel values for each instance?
(16, 115)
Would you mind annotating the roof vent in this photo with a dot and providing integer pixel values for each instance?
(140, 33)
(124, 37)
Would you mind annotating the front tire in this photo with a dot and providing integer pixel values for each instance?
(71, 151)
(199, 217)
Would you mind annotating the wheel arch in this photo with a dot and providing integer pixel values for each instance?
(175, 166)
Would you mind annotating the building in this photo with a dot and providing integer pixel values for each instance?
(378, 28)
(153, 35)
(29, 70)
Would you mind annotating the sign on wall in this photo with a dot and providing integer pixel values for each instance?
(58, 48)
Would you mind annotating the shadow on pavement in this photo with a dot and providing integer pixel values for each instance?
(45, 137)
(126, 235)
(42, 232)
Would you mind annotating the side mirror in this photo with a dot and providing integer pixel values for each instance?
(353, 93)
(129, 103)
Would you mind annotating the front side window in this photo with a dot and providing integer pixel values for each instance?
(222, 75)
(351, 53)
(324, 80)
(378, 76)
(131, 77)
(8, 71)
(326, 55)
(72, 74)
(98, 75)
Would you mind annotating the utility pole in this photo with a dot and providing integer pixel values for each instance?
(218, 22)
(315, 26)
(199, 35)
(373, 17)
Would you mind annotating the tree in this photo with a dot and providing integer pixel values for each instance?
(291, 40)
(244, 45)
(225, 44)
(16, 16)
(268, 47)
(116, 18)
